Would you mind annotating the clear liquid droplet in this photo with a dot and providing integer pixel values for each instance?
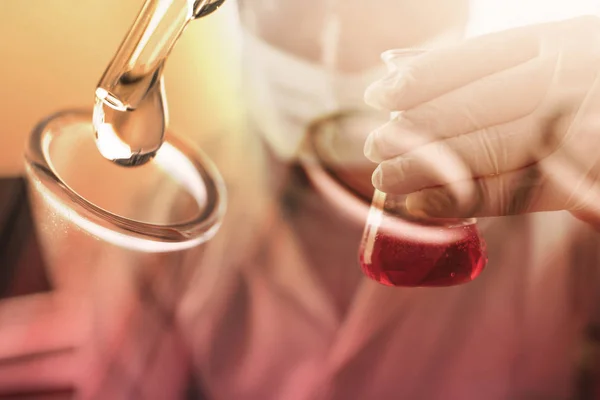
(131, 136)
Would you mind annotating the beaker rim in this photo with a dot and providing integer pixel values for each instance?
(119, 229)
(349, 200)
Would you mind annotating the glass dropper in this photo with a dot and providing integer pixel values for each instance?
(131, 116)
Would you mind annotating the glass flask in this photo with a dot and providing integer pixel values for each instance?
(402, 249)
(312, 78)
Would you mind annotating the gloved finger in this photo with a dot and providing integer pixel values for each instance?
(560, 182)
(442, 70)
(490, 151)
(511, 193)
(390, 176)
(495, 99)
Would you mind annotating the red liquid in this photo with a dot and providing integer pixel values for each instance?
(397, 261)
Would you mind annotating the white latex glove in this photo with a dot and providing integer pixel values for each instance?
(519, 110)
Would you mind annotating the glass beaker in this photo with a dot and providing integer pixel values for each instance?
(122, 243)
(402, 249)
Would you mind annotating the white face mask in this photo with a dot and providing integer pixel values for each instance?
(284, 92)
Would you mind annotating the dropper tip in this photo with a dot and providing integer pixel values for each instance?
(202, 8)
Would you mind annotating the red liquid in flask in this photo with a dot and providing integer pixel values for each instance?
(401, 253)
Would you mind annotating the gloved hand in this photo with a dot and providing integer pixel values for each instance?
(501, 124)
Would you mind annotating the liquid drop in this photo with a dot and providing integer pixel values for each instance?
(131, 136)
